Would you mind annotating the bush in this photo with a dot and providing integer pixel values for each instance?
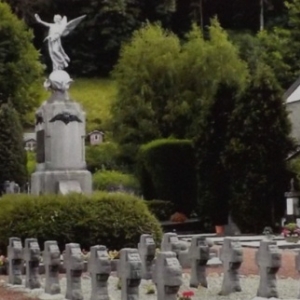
(167, 171)
(112, 219)
(115, 181)
(103, 156)
(162, 210)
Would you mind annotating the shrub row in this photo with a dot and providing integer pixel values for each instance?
(162, 210)
(113, 219)
(166, 170)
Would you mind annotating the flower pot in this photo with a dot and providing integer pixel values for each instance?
(220, 229)
(292, 239)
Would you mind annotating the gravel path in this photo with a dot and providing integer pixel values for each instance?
(288, 283)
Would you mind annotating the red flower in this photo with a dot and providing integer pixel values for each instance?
(188, 294)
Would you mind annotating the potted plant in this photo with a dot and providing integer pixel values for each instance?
(291, 232)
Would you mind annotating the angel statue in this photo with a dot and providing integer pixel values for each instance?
(60, 28)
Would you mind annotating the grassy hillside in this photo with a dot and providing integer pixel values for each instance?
(96, 96)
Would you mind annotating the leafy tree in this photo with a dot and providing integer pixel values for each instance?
(20, 70)
(163, 85)
(255, 156)
(12, 153)
(148, 81)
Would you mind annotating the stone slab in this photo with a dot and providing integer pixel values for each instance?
(282, 244)
(69, 186)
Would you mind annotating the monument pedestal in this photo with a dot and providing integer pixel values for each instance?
(60, 131)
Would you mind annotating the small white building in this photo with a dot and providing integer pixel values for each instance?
(95, 137)
(29, 139)
(292, 99)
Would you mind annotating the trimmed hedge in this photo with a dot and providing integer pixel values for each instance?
(162, 210)
(166, 170)
(113, 219)
(114, 181)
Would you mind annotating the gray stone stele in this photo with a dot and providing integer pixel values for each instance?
(60, 130)
(167, 275)
(73, 263)
(268, 259)
(99, 267)
(15, 261)
(147, 250)
(231, 256)
(199, 255)
(51, 259)
(170, 242)
(32, 254)
(130, 273)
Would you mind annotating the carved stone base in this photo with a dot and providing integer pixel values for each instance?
(49, 182)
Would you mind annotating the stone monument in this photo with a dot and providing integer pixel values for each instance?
(60, 125)
(99, 267)
(15, 261)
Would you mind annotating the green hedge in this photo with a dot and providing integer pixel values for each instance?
(166, 170)
(114, 180)
(161, 209)
(113, 219)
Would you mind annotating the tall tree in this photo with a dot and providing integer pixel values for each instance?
(20, 69)
(12, 153)
(255, 156)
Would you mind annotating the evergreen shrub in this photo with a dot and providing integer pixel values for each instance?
(115, 181)
(166, 171)
(113, 219)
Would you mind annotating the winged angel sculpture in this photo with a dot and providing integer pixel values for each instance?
(60, 28)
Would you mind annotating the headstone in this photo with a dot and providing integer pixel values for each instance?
(32, 254)
(199, 255)
(99, 268)
(131, 273)
(268, 259)
(15, 261)
(147, 250)
(170, 242)
(73, 262)
(51, 258)
(232, 257)
(167, 275)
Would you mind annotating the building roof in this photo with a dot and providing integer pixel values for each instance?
(293, 92)
(29, 136)
(95, 132)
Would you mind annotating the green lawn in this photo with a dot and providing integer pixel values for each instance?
(96, 96)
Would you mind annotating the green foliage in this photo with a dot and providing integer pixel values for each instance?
(102, 156)
(167, 171)
(12, 153)
(162, 85)
(255, 156)
(112, 219)
(20, 70)
(31, 163)
(161, 209)
(114, 180)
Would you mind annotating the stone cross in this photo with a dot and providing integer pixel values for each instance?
(268, 259)
(167, 275)
(147, 250)
(51, 258)
(32, 254)
(199, 255)
(73, 262)
(131, 273)
(99, 267)
(232, 257)
(15, 261)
